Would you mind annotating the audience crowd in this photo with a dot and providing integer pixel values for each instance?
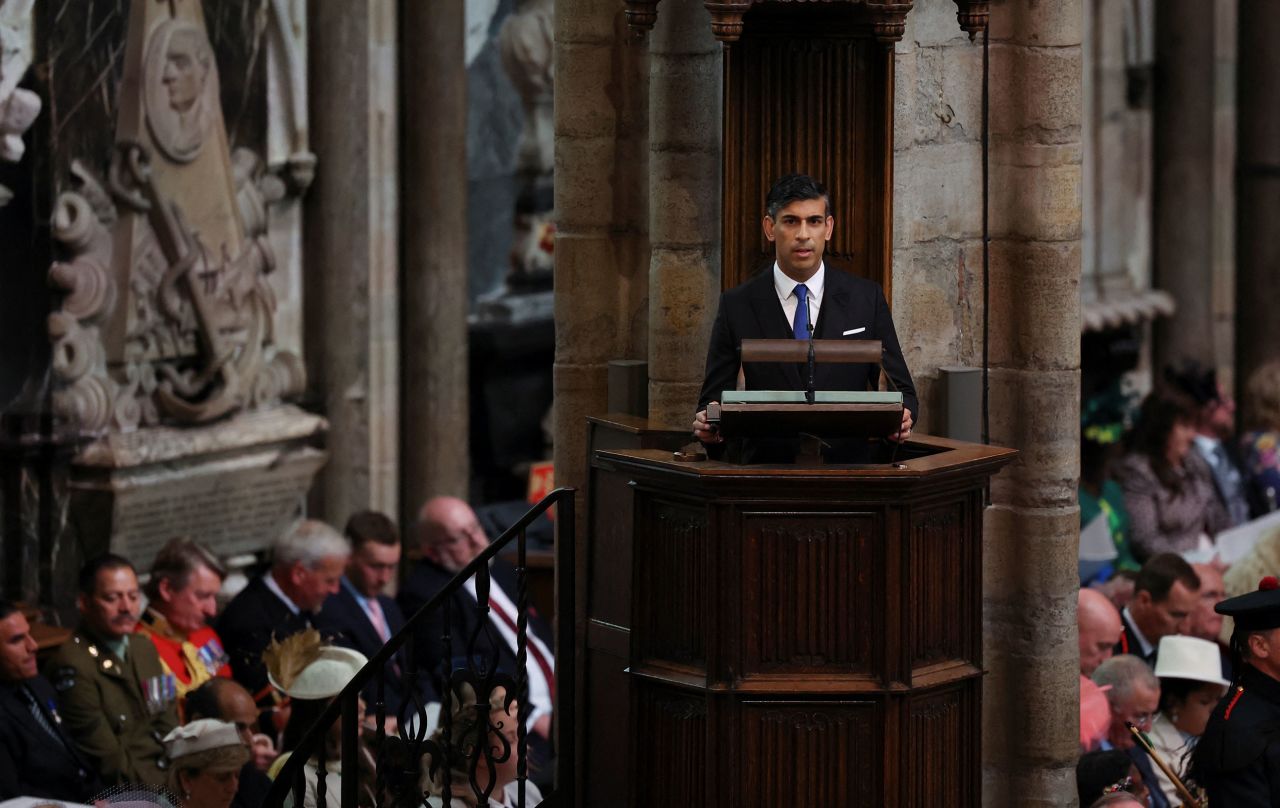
(1159, 668)
(158, 688)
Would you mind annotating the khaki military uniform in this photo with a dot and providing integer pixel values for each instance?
(117, 711)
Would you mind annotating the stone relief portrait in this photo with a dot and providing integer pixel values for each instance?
(181, 89)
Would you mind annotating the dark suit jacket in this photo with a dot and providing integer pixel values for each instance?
(32, 763)
(428, 578)
(1129, 643)
(345, 623)
(752, 311)
(247, 626)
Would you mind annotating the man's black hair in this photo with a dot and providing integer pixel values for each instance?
(106, 561)
(7, 608)
(1159, 574)
(203, 701)
(793, 188)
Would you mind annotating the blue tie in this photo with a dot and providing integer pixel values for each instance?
(800, 326)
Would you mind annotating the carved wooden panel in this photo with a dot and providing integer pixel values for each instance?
(941, 758)
(672, 568)
(943, 598)
(809, 592)
(807, 89)
(673, 771)
(819, 753)
(609, 559)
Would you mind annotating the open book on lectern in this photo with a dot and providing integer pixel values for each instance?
(824, 413)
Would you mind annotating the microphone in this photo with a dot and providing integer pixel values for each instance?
(809, 395)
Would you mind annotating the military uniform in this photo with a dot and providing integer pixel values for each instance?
(1237, 760)
(118, 711)
(192, 659)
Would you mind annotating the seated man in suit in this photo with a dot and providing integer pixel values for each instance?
(361, 616)
(1165, 596)
(306, 567)
(117, 702)
(451, 538)
(37, 757)
(798, 292)
(182, 595)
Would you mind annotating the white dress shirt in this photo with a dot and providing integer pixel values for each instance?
(786, 289)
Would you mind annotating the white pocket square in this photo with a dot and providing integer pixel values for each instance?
(853, 331)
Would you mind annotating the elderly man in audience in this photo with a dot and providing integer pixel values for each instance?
(1205, 622)
(1165, 595)
(306, 567)
(182, 596)
(361, 616)
(37, 757)
(1135, 698)
(1099, 628)
(226, 700)
(116, 699)
(451, 538)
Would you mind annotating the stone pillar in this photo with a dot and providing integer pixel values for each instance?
(1257, 188)
(601, 192)
(1030, 705)
(1183, 199)
(685, 98)
(433, 437)
(351, 253)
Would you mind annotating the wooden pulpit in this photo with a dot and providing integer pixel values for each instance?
(780, 635)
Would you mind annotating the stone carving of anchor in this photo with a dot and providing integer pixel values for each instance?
(220, 383)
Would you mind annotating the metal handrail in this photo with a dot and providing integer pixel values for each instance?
(346, 704)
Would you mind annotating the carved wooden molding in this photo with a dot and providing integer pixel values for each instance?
(888, 17)
(973, 16)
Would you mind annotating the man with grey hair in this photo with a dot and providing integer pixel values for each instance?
(306, 567)
(1134, 695)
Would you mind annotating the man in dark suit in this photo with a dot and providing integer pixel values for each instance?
(360, 616)
(37, 757)
(306, 567)
(798, 291)
(1165, 595)
(451, 538)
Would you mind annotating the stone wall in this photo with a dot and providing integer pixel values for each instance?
(937, 221)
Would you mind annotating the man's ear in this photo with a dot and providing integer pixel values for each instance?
(81, 602)
(298, 573)
(1143, 598)
(831, 226)
(1259, 647)
(164, 589)
(767, 224)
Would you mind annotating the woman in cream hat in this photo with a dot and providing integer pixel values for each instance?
(205, 758)
(312, 674)
(1191, 685)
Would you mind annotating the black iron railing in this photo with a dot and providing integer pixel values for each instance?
(399, 756)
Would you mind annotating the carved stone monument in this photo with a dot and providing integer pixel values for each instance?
(163, 344)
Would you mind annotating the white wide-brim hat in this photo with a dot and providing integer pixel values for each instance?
(1182, 657)
(326, 676)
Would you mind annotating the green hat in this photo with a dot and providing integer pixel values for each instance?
(1255, 611)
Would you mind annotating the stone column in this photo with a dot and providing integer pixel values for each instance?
(351, 253)
(1183, 199)
(1257, 188)
(433, 437)
(1030, 704)
(601, 192)
(685, 98)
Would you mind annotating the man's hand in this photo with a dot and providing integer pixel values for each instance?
(904, 431)
(704, 431)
